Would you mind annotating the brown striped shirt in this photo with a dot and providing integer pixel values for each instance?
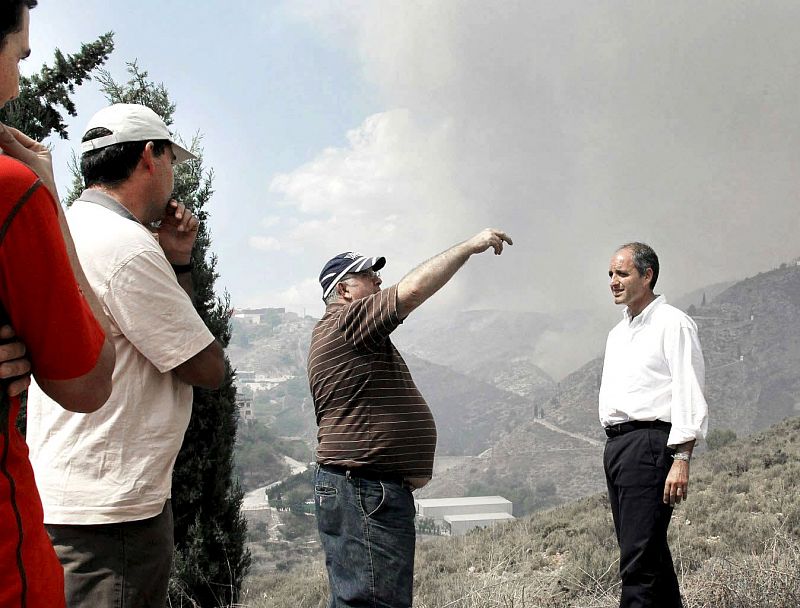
(369, 411)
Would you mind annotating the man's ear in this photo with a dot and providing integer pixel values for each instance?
(648, 275)
(343, 290)
(148, 157)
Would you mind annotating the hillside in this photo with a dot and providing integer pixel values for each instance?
(277, 347)
(751, 341)
(750, 335)
(482, 342)
(696, 297)
(736, 544)
(507, 428)
(471, 414)
(545, 438)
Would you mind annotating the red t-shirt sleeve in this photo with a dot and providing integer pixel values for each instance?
(37, 286)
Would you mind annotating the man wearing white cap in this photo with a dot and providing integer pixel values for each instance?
(105, 479)
(376, 433)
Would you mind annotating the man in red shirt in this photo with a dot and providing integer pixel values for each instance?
(45, 297)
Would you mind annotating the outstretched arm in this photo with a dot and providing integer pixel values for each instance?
(427, 278)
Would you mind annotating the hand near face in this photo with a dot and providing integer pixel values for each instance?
(30, 152)
(489, 238)
(13, 363)
(178, 232)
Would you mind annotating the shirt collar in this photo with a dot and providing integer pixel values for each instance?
(98, 197)
(334, 306)
(643, 316)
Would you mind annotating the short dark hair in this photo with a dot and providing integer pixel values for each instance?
(643, 258)
(112, 165)
(11, 16)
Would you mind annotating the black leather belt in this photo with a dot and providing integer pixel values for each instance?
(362, 473)
(634, 425)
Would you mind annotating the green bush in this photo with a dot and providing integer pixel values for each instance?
(719, 438)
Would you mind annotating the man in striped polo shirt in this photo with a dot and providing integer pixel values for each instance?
(376, 433)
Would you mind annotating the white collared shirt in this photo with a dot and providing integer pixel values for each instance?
(654, 370)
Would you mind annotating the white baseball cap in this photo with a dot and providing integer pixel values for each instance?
(131, 122)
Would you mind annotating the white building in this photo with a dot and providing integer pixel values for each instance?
(437, 508)
(256, 316)
(461, 524)
(245, 376)
(245, 405)
(246, 317)
(460, 515)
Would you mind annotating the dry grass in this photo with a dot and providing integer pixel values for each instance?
(736, 544)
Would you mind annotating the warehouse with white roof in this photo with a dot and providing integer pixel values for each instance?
(460, 515)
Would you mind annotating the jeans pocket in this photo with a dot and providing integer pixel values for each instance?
(323, 492)
(372, 496)
(329, 513)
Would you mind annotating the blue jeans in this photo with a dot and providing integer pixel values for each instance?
(367, 532)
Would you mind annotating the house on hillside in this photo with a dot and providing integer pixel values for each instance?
(256, 316)
(245, 376)
(245, 407)
(460, 515)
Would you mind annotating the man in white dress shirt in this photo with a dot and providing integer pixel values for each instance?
(653, 410)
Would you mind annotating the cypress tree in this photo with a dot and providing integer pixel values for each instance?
(210, 555)
(36, 111)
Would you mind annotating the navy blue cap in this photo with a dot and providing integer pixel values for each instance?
(344, 263)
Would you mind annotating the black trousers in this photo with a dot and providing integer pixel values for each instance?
(636, 465)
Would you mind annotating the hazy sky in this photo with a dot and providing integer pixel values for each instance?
(399, 128)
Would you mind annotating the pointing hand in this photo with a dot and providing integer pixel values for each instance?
(489, 238)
